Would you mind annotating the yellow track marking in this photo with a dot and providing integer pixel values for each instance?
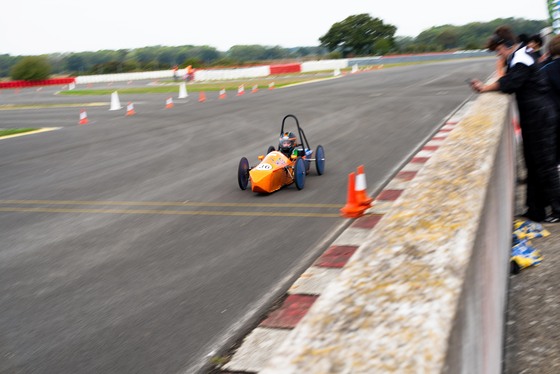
(47, 106)
(44, 129)
(169, 212)
(171, 203)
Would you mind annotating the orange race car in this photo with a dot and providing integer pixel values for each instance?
(278, 168)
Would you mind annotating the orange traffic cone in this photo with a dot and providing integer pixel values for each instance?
(201, 97)
(271, 86)
(130, 109)
(169, 103)
(352, 209)
(255, 88)
(83, 118)
(241, 90)
(223, 93)
(361, 187)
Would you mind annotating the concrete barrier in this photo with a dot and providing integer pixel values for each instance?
(426, 292)
(227, 74)
(124, 77)
(320, 65)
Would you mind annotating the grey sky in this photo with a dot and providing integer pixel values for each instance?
(39, 26)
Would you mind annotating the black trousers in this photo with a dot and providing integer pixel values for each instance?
(540, 153)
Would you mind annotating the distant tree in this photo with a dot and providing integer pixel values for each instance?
(167, 57)
(302, 52)
(192, 61)
(6, 63)
(274, 53)
(145, 55)
(205, 53)
(448, 38)
(246, 53)
(404, 44)
(383, 46)
(472, 35)
(357, 35)
(334, 55)
(31, 68)
(75, 63)
(224, 61)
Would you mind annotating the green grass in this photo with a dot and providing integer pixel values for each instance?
(6, 132)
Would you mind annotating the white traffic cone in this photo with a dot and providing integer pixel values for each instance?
(115, 102)
(183, 91)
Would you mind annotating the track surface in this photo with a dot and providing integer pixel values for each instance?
(126, 244)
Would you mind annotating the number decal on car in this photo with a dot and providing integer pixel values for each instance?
(263, 166)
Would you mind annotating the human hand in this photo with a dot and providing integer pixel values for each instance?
(476, 85)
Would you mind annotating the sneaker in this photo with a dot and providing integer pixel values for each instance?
(533, 217)
(552, 219)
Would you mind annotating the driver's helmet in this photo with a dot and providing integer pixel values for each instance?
(287, 142)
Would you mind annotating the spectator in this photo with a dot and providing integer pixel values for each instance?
(534, 45)
(523, 39)
(552, 73)
(537, 119)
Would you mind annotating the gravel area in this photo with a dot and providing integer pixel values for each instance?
(532, 342)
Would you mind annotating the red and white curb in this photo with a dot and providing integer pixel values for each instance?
(259, 345)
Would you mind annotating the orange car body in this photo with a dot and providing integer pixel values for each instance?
(271, 173)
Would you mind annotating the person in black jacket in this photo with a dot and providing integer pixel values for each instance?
(552, 73)
(521, 75)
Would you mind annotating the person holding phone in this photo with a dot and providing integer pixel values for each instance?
(520, 74)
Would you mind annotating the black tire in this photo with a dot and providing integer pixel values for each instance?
(270, 149)
(299, 173)
(320, 159)
(243, 173)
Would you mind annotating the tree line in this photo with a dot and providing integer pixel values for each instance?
(355, 36)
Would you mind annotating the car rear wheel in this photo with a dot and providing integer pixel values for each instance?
(243, 173)
(299, 173)
(320, 159)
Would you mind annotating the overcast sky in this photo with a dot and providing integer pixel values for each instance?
(32, 27)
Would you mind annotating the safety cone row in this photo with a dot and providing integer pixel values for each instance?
(83, 118)
(357, 200)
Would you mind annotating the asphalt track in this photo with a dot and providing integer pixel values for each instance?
(126, 244)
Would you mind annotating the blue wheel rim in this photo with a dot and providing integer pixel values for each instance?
(320, 160)
(299, 173)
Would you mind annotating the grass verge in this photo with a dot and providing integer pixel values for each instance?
(172, 88)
